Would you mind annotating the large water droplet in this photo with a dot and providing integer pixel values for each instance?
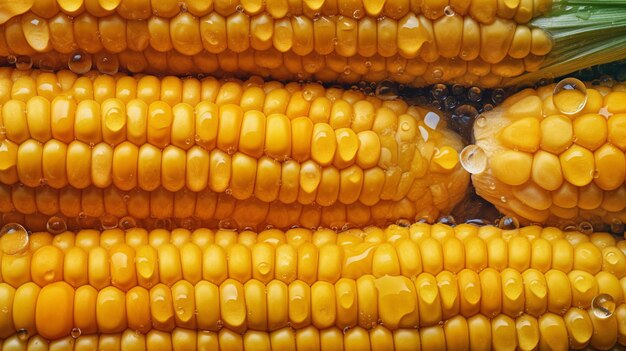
(79, 62)
(473, 159)
(570, 96)
(13, 239)
(56, 225)
(603, 306)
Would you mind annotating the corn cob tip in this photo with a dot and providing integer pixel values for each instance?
(555, 155)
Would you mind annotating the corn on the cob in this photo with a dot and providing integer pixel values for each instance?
(308, 149)
(413, 42)
(556, 155)
(434, 286)
(487, 43)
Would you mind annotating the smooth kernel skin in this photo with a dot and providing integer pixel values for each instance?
(55, 302)
(512, 167)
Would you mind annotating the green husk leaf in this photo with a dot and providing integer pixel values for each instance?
(585, 33)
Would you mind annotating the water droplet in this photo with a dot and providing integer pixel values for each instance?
(79, 62)
(183, 6)
(24, 63)
(356, 14)
(75, 332)
(347, 70)
(481, 121)
(307, 94)
(108, 63)
(583, 13)
(13, 239)
(346, 329)
(439, 91)
(508, 223)
(570, 96)
(437, 73)
(22, 334)
(487, 107)
(449, 11)
(448, 220)
(585, 227)
(239, 8)
(502, 198)
(127, 223)
(473, 159)
(386, 90)
(56, 225)
(497, 96)
(569, 227)
(607, 81)
(474, 94)
(603, 306)
(228, 223)
(405, 126)
(368, 64)
(228, 191)
(403, 222)
(108, 221)
(11, 59)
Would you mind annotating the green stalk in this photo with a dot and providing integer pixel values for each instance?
(584, 32)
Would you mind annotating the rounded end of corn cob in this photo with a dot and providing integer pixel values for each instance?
(555, 155)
